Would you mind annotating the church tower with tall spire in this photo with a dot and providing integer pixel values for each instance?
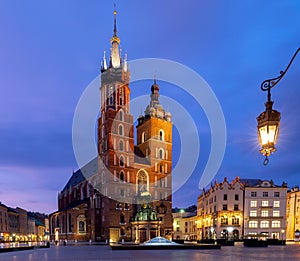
(126, 192)
(136, 181)
(115, 140)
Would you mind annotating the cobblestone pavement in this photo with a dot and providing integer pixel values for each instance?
(94, 252)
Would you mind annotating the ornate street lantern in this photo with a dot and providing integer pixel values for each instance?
(268, 122)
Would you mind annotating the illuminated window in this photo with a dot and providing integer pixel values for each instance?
(253, 224)
(264, 224)
(253, 203)
(276, 213)
(276, 204)
(235, 221)
(275, 223)
(265, 213)
(224, 220)
(253, 213)
(265, 203)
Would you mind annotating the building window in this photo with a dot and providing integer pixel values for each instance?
(161, 154)
(122, 161)
(143, 137)
(121, 115)
(253, 194)
(265, 203)
(122, 193)
(253, 224)
(265, 194)
(265, 213)
(70, 222)
(275, 224)
(81, 224)
(142, 181)
(235, 221)
(225, 197)
(236, 197)
(122, 179)
(121, 145)
(121, 130)
(253, 203)
(253, 213)
(161, 168)
(236, 207)
(122, 218)
(276, 194)
(81, 227)
(276, 213)
(225, 207)
(161, 135)
(276, 204)
(264, 224)
(224, 220)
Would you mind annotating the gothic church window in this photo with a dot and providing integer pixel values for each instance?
(120, 129)
(122, 179)
(121, 115)
(142, 181)
(121, 145)
(122, 161)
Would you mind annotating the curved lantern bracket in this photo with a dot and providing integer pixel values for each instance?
(268, 122)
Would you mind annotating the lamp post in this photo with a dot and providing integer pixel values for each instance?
(268, 122)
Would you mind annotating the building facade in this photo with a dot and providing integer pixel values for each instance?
(126, 192)
(18, 225)
(265, 209)
(293, 214)
(185, 224)
(4, 232)
(220, 211)
(245, 208)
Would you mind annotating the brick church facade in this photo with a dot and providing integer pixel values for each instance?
(126, 192)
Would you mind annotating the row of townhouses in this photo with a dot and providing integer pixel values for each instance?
(19, 225)
(240, 209)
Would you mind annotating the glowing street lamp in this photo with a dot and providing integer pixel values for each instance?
(268, 122)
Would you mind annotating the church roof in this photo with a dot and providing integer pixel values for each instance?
(88, 170)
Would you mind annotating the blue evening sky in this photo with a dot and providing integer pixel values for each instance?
(51, 50)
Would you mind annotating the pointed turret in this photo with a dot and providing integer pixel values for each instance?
(115, 60)
(104, 63)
